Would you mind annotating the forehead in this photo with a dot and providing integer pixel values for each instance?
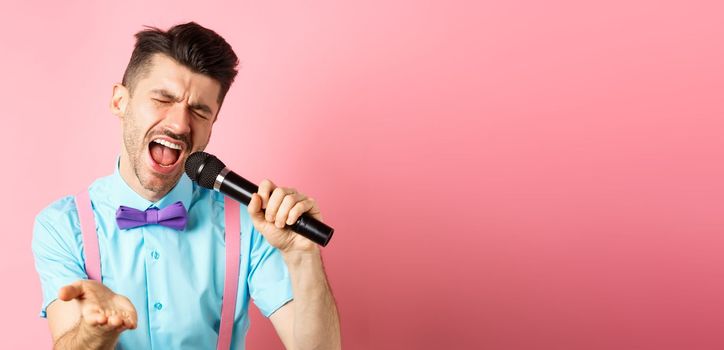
(167, 74)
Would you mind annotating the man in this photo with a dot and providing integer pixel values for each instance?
(161, 288)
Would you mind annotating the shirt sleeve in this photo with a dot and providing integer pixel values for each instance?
(56, 249)
(269, 283)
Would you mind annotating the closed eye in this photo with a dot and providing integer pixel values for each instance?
(202, 116)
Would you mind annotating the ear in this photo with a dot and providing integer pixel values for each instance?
(119, 100)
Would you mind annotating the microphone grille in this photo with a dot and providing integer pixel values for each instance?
(203, 168)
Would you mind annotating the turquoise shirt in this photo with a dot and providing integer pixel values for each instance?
(175, 279)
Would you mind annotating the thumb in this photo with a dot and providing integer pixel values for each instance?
(254, 208)
(71, 291)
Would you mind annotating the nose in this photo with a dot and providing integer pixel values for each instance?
(178, 119)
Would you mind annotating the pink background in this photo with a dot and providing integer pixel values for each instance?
(502, 174)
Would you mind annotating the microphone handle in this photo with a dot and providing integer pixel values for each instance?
(241, 190)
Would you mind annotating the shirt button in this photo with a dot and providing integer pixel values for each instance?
(158, 306)
(155, 255)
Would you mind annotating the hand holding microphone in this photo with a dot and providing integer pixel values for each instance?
(285, 209)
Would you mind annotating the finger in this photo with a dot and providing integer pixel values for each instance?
(299, 209)
(124, 317)
(98, 318)
(126, 311)
(265, 190)
(287, 203)
(275, 201)
(254, 208)
(115, 321)
(128, 324)
(134, 319)
(93, 316)
(129, 320)
(71, 291)
(257, 218)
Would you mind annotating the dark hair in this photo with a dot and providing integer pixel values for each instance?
(198, 48)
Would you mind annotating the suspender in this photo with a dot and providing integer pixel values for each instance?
(90, 239)
(233, 249)
(231, 281)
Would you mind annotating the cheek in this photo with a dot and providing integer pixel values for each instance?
(200, 135)
(143, 118)
(148, 114)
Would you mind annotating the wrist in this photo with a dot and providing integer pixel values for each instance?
(96, 336)
(296, 257)
(299, 245)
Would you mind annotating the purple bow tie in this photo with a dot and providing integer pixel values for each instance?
(173, 216)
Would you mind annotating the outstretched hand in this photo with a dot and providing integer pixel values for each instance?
(102, 310)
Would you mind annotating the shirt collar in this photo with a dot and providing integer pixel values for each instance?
(125, 195)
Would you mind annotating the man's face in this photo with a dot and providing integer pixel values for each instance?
(169, 116)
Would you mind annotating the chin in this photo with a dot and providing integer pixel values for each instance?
(160, 185)
(157, 182)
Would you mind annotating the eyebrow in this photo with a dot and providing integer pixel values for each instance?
(197, 106)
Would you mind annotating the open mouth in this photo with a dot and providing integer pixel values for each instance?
(165, 154)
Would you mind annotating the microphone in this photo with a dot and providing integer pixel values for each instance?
(209, 172)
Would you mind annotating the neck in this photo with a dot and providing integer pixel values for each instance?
(130, 178)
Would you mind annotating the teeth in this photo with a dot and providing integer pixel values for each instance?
(167, 144)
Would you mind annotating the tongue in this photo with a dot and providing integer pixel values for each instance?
(163, 155)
